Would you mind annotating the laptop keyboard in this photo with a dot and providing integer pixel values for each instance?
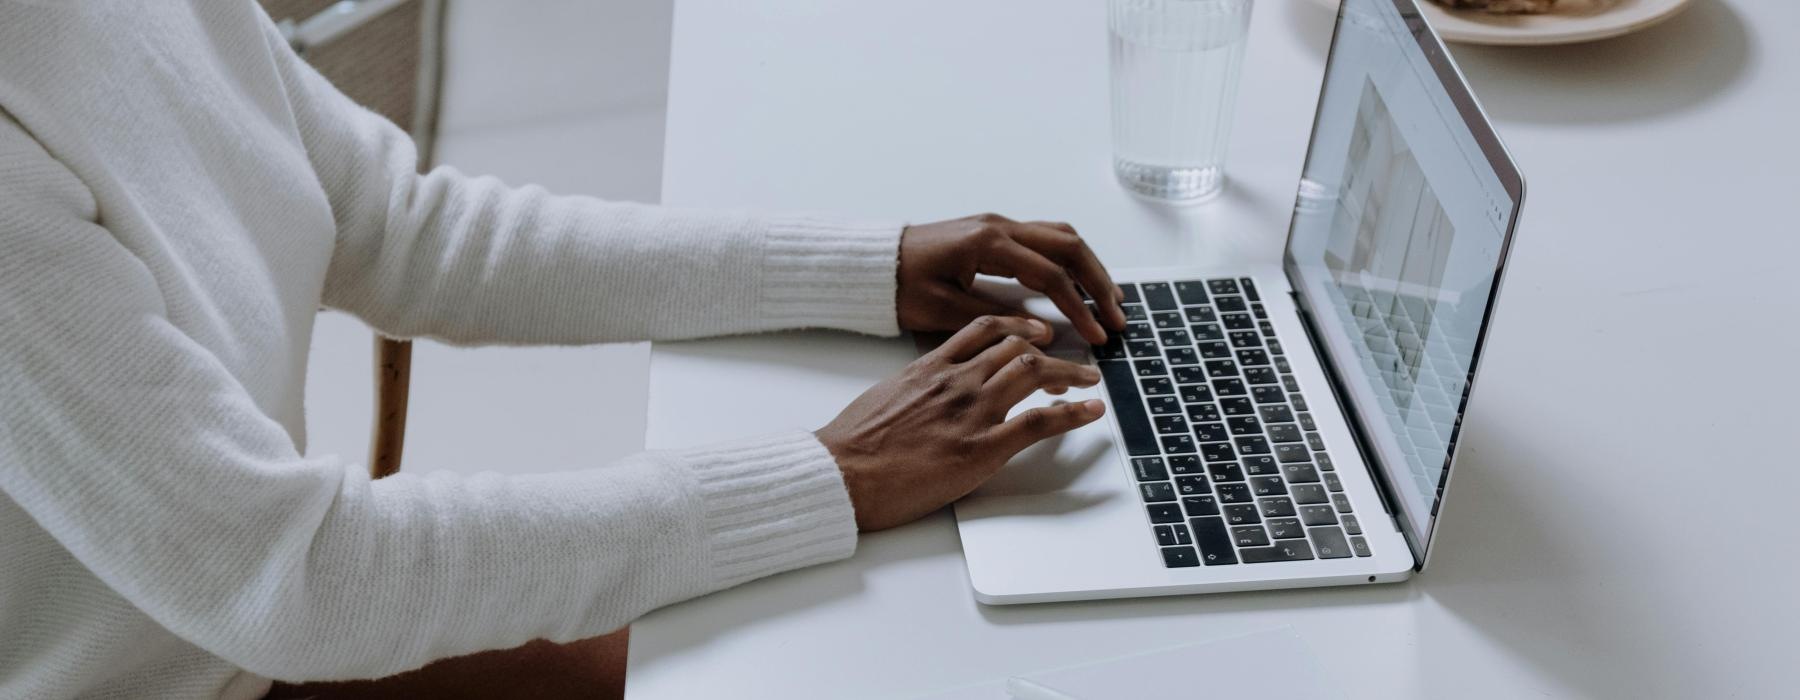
(1223, 445)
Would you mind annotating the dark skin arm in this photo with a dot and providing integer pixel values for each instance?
(937, 430)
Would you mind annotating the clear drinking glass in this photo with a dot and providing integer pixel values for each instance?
(1175, 66)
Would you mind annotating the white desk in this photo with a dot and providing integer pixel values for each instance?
(1624, 527)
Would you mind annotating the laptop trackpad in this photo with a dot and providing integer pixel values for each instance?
(1082, 460)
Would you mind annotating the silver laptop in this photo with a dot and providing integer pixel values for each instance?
(1297, 425)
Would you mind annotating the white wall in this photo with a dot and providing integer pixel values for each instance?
(569, 95)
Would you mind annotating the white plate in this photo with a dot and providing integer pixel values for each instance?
(1585, 20)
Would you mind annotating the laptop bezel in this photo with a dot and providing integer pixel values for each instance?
(1456, 85)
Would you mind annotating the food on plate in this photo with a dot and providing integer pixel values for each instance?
(1502, 7)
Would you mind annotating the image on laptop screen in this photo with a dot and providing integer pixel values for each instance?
(1397, 239)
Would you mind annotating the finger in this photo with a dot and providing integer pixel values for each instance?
(1059, 242)
(960, 307)
(1026, 374)
(984, 331)
(1013, 259)
(1000, 354)
(1026, 429)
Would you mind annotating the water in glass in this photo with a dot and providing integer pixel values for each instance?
(1175, 66)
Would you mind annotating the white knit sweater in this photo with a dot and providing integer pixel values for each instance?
(178, 196)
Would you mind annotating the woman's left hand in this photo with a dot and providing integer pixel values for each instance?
(939, 261)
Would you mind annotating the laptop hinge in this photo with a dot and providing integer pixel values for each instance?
(1364, 445)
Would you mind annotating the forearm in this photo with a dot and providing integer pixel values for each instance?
(470, 260)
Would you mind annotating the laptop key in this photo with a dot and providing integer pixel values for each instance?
(1139, 331)
(1168, 425)
(1291, 453)
(1244, 425)
(1314, 441)
(1281, 364)
(1167, 320)
(1214, 542)
(1191, 291)
(1215, 350)
(1268, 393)
(1131, 292)
(1245, 339)
(1285, 550)
(1268, 329)
(1360, 546)
(1221, 368)
(1214, 452)
(1298, 401)
(1250, 536)
(1180, 557)
(1260, 465)
(1165, 536)
(1258, 311)
(1150, 368)
(1341, 502)
(1158, 296)
(1134, 423)
(1329, 542)
(1157, 491)
(1285, 528)
(1317, 515)
(1232, 493)
(1290, 383)
(1237, 406)
(1274, 346)
(1135, 312)
(1185, 464)
(1237, 322)
(1178, 444)
(1181, 534)
(1324, 461)
(1163, 405)
(1226, 472)
(1278, 507)
(1157, 386)
(1308, 494)
(1207, 332)
(1306, 422)
(1229, 387)
(1203, 412)
(1200, 505)
(1175, 339)
(1249, 288)
(1222, 286)
(1278, 432)
(1211, 432)
(1200, 314)
(1114, 349)
(1196, 393)
(1332, 482)
(1164, 513)
(1230, 303)
(1252, 445)
(1242, 514)
(1191, 375)
(1252, 356)
(1192, 485)
(1182, 356)
(1300, 473)
(1149, 468)
(1268, 486)
(1260, 375)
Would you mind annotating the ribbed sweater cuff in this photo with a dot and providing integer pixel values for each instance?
(771, 504)
(831, 273)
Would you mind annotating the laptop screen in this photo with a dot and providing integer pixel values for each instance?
(1405, 207)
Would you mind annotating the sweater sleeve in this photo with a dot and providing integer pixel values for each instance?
(471, 260)
(134, 447)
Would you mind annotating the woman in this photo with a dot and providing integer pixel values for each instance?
(179, 193)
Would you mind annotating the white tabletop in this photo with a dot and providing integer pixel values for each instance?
(1623, 524)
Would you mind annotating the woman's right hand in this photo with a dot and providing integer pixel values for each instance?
(931, 434)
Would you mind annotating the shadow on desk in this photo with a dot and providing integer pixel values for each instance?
(1661, 70)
